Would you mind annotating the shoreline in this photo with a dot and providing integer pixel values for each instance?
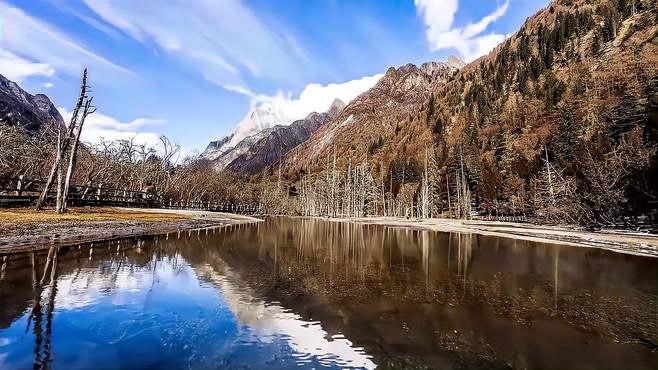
(26, 230)
(638, 244)
(35, 231)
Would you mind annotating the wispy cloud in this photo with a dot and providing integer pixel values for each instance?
(99, 127)
(29, 47)
(469, 40)
(225, 41)
(18, 69)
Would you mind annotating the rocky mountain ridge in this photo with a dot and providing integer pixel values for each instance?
(374, 116)
(260, 117)
(281, 139)
(264, 146)
(18, 107)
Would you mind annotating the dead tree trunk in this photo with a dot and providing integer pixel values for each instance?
(63, 144)
(550, 180)
(448, 191)
(381, 170)
(58, 196)
(88, 109)
(333, 186)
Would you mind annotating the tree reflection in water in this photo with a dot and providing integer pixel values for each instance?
(311, 292)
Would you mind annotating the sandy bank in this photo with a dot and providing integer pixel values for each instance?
(25, 229)
(618, 241)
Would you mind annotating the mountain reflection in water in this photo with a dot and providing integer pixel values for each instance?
(289, 292)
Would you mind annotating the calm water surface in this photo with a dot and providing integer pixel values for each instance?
(293, 293)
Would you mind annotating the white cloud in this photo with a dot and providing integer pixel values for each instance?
(439, 15)
(18, 69)
(34, 47)
(316, 97)
(225, 41)
(239, 89)
(100, 126)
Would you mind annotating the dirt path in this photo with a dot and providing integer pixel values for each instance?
(25, 229)
(618, 241)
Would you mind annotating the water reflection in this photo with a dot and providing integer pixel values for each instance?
(294, 292)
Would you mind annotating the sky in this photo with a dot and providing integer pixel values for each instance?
(192, 69)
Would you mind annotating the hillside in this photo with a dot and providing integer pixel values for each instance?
(559, 122)
(17, 107)
(372, 119)
(573, 94)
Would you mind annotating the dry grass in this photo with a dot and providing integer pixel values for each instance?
(23, 229)
(83, 214)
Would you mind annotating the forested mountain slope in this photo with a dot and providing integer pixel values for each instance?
(372, 119)
(561, 118)
(560, 122)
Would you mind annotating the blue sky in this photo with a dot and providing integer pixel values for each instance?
(191, 69)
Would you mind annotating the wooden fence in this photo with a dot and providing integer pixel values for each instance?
(23, 191)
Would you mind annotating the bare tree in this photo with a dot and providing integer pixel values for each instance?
(87, 110)
(63, 144)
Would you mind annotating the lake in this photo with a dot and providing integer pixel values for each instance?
(293, 293)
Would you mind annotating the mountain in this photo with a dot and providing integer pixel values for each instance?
(220, 161)
(372, 118)
(260, 117)
(560, 121)
(245, 158)
(281, 139)
(215, 148)
(17, 107)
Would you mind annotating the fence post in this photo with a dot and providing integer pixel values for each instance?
(19, 187)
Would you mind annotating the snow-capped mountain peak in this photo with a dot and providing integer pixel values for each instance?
(260, 117)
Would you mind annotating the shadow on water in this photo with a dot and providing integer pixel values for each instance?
(290, 292)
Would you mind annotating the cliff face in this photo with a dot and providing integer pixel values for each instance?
(17, 107)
